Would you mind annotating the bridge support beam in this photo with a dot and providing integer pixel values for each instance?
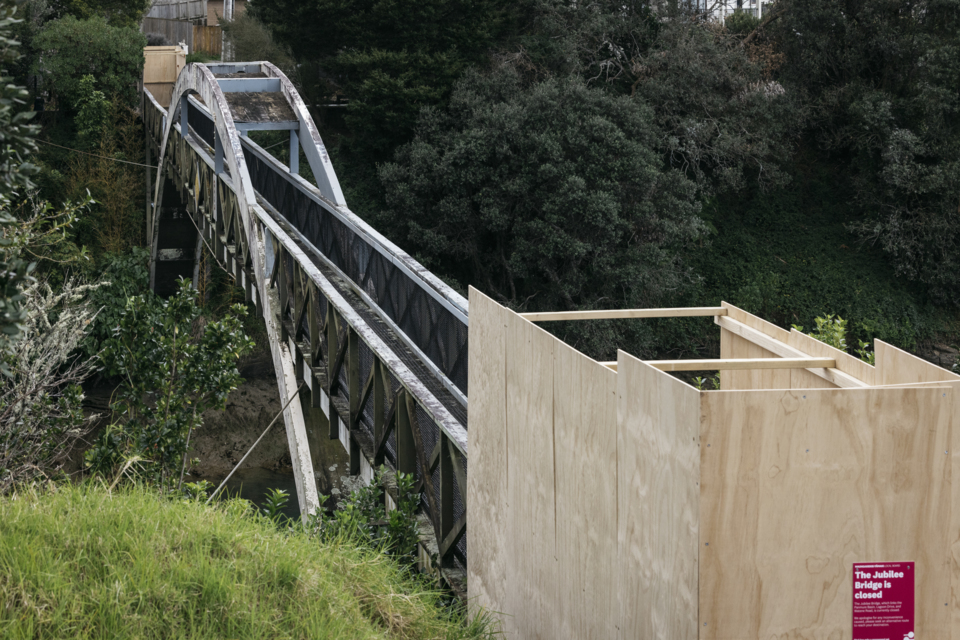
(283, 363)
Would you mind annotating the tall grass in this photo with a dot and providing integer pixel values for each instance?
(81, 562)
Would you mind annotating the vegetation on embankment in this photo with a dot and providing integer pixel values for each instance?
(80, 561)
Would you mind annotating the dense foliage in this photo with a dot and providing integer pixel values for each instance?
(70, 49)
(174, 366)
(882, 81)
(548, 193)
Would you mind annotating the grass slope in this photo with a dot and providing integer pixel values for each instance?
(80, 562)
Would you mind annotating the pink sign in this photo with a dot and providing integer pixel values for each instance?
(883, 601)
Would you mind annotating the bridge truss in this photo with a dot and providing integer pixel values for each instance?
(379, 341)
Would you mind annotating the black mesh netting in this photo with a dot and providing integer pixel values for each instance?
(427, 323)
(201, 124)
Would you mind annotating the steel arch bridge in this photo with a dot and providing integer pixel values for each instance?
(377, 341)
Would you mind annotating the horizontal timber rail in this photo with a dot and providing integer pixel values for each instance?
(382, 402)
(835, 376)
(616, 314)
(736, 364)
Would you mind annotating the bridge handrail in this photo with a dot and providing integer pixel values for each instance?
(437, 288)
(444, 419)
(452, 372)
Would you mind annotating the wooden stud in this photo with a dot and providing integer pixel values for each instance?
(738, 364)
(780, 348)
(613, 314)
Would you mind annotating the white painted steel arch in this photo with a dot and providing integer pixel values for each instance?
(200, 80)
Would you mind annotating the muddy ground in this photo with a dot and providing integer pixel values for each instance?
(227, 435)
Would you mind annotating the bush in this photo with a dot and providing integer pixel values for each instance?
(40, 413)
(123, 276)
(71, 49)
(363, 518)
(158, 40)
(174, 366)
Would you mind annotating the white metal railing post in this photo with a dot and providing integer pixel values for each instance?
(225, 47)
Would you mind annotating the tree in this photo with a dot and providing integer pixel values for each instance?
(882, 82)
(174, 366)
(119, 13)
(548, 196)
(389, 57)
(724, 120)
(71, 49)
(17, 136)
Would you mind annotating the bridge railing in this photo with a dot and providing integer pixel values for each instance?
(430, 316)
(360, 372)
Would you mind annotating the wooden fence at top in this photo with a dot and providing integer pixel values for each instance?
(178, 9)
(198, 38)
(208, 40)
(627, 504)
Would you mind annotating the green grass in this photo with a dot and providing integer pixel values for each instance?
(80, 562)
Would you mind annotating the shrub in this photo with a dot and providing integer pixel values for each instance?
(174, 366)
(40, 413)
(71, 49)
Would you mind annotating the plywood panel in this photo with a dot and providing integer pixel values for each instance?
(585, 414)
(658, 419)
(532, 573)
(733, 346)
(895, 366)
(487, 505)
(162, 92)
(162, 64)
(797, 485)
(845, 362)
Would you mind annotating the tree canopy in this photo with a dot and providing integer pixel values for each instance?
(882, 81)
(549, 192)
(72, 49)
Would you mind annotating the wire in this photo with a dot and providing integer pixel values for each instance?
(275, 145)
(209, 248)
(136, 164)
(254, 445)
